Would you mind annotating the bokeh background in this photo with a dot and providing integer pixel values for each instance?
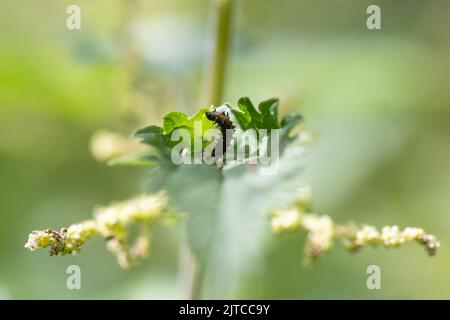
(377, 100)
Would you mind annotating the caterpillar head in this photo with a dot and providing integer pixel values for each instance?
(210, 115)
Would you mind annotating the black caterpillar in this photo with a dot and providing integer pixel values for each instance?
(223, 121)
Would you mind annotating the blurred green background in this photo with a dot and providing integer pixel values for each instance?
(377, 100)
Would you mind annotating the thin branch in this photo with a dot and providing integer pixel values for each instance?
(218, 52)
(212, 95)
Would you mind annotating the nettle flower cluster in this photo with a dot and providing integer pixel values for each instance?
(118, 221)
(322, 231)
(114, 223)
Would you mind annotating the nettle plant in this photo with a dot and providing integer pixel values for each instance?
(232, 176)
(227, 205)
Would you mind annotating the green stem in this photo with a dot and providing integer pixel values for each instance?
(191, 273)
(218, 52)
(212, 95)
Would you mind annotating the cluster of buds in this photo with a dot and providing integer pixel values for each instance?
(66, 241)
(112, 222)
(322, 231)
(291, 219)
(393, 236)
(126, 254)
(320, 235)
(286, 220)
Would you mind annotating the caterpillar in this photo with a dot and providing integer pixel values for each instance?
(223, 121)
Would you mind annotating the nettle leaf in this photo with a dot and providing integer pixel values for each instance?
(198, 118)
(173, 120)
(241, 227)
(227, 220)
(246, 104)
(288, 122)
(150, 135)
(195, 189)
(243, 118)
(269, 112)
(247, 116)
(158, 156)
(161, 138)
(201, 116)
(154, 136)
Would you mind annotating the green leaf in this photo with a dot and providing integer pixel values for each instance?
(269, 112)
(195, 189)
(227, 217)
(247, 116)
(151, 135)
(288, 122)
(173, 120)
(246, 105)
(206, 125)
(199, 116)
(242, 226)
(243, 118)
(155, 137)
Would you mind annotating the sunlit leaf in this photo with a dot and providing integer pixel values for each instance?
(173, 120)
(269, 112)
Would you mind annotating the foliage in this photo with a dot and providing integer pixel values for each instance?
(227, 209)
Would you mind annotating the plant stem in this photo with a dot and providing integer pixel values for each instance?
(190, 273)
(218, 52)
(192, 265)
